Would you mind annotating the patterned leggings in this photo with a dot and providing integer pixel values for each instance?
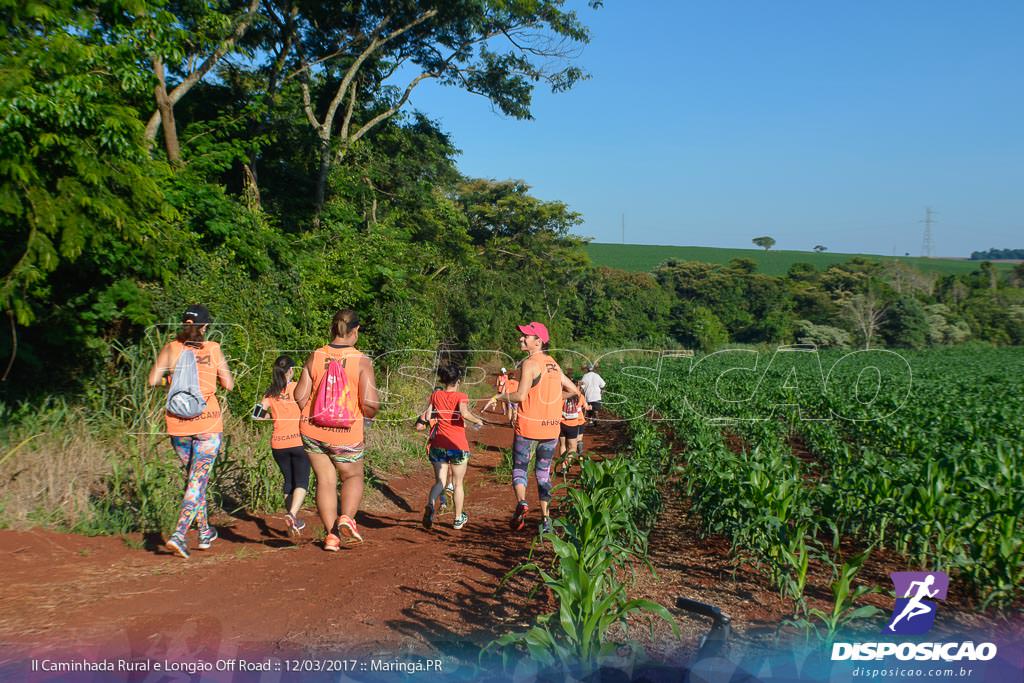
(197, 454)
(542, 470)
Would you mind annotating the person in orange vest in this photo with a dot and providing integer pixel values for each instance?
(286, 441)
(573, 419)
(196, 440)
(336, 453)
(538, 424)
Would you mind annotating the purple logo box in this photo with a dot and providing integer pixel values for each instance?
(914, 612)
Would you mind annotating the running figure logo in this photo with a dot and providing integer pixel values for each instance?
(913, 613)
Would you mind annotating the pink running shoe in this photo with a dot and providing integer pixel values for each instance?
(348, 530)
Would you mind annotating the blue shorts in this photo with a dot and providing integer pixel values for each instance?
(450, 456)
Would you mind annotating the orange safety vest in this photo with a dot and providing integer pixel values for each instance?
(349, 357)
(540, 413)
(287, 416)
(211, 421)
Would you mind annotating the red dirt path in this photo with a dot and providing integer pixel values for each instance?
(404, 591)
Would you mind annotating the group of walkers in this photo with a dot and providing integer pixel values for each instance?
(320, 421)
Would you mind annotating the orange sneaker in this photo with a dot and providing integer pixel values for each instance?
(332, 543)
(348, 530)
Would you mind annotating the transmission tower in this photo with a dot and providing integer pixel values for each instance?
(926, 241)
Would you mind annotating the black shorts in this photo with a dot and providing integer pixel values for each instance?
(294, 466)
(571, 432)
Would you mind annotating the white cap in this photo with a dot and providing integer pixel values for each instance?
(503, 371)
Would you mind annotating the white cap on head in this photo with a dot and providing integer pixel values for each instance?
(503, 371)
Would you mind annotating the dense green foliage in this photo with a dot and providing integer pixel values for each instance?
(257, 157)
(997, 254)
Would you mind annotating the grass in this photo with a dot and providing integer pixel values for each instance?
(99, 464)
(645, 258)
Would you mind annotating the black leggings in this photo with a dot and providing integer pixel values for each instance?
(294, 466)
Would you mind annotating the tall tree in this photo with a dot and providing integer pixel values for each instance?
(186, 42)
(765, 242)
(345, 59)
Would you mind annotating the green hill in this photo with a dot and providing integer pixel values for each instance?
(642, 257)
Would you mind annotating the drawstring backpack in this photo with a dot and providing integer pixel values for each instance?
(571, 408)
(334, 406)
(184, 399)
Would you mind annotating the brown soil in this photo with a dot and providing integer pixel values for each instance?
(405, 590)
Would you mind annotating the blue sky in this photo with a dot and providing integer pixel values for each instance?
(815, 122)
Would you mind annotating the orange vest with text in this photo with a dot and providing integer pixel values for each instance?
(540, 413)
(211, 421)
(349, 358)
(286, 414)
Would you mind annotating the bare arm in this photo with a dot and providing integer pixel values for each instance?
(305, 384)
(369, 401)
(423, 419)
(467, 414)
(223, 372)
(161, 367)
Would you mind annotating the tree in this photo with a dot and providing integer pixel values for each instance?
(76, 184)
(344, 59)
(188, 44)
(765, 242)
(820, 248)
(865, 311)
(906, 324)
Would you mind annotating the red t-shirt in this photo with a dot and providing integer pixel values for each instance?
(451, 429)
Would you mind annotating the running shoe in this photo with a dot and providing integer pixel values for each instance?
(545, 526)
(449, 495)
(295, 525)
(332, 543)
(348, 530)
(428, 517)
(518, 520)
(207, 539)
(460, 521)
(176, 544)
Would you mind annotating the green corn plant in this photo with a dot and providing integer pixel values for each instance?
(827, 624)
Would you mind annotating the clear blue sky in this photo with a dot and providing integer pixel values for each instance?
(709, 123)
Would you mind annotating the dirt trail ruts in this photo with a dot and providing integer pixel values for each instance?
(405, 590)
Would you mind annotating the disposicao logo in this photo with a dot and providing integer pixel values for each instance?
(914, 614)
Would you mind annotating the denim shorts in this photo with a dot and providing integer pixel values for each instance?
(452, 456)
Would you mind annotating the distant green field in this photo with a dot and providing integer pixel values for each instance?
(642, 257)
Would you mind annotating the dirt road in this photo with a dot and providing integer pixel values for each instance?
(405, 590)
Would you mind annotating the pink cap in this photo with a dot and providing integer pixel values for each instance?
(537, 329)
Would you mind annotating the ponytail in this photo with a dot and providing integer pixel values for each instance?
(344, 322)
(278, 376)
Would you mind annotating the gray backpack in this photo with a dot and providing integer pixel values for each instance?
(184, 399)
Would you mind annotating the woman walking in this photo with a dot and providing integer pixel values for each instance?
(448, 445)
(573, 419)
(286, 441)
(336, 391)
(196, 438)
(538, 422)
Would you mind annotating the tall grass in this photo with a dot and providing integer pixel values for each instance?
(102, 464)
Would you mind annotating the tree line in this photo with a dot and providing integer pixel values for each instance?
(260, 156)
